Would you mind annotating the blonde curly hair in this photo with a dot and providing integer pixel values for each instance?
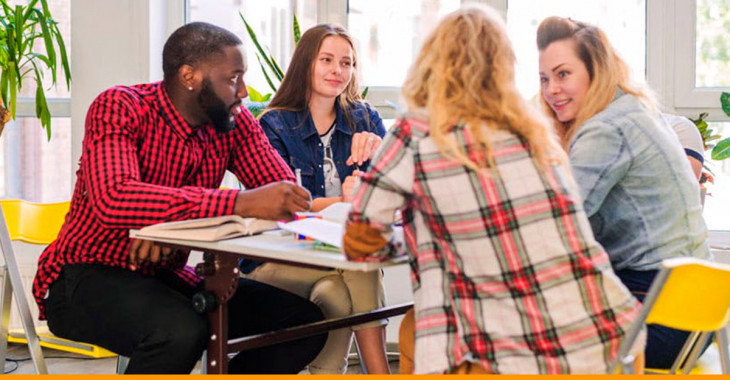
(464, 75)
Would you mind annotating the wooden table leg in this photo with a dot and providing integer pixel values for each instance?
(221, 280)
(218, 343)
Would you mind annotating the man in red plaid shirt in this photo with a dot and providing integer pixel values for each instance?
(156, 153)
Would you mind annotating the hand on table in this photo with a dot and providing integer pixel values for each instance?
(275, 201)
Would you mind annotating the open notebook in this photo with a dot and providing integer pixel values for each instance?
(208, 229)
(329, 229)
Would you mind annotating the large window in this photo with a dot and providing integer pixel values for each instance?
(622, 20)
(388, 35)
(700, 60)
(712, 44)
(680, 46)
(31, 167)
(36, 169)
(271, 21)
(718, 196)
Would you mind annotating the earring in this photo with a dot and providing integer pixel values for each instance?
(190, 88)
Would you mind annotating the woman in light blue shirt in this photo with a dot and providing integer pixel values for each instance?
(639, 191)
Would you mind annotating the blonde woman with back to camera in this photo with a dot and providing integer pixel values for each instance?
(506, 274)
(641, 197)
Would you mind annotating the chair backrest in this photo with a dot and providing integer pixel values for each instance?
(695, 295)
(34, 223)
(687, 294)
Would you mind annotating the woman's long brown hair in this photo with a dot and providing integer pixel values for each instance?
(296, 88)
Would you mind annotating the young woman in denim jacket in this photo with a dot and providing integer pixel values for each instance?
(639, 192)
(320, 126)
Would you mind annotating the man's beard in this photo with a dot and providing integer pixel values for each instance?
(216, 110)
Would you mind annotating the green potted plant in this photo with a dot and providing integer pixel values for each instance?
(30, 41)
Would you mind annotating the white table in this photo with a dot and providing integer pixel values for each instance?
(273, 247)
(221, 273)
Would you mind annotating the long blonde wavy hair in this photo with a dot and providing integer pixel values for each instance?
(606, 69)
(464, 75)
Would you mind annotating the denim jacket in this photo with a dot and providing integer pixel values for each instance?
(639, 192)
(293, 134)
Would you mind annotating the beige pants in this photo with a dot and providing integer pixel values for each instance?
(338, 294)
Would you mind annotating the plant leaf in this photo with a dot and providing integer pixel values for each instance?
(725, 102)
(29, 8)
(13, 81)
(19, 20)
(295, 29)
(721, 151)
(266, 75)
(4, 87)
(6, 8)
(702, 127)
(253, 95)
(48, 41)
(277, 70)
(365, 92)
(64, 56)
(255, 41)
(41, 105)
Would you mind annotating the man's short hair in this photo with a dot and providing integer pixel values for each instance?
(193, 43)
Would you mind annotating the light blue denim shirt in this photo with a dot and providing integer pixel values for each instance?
(639, 192)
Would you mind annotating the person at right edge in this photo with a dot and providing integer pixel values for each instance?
(641, 197)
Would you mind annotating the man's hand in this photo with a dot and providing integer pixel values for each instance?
(143, 250)
(349, 185)
(363, 147)
(275, 201)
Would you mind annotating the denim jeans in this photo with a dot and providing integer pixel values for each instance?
(663, 343)
(151, 320)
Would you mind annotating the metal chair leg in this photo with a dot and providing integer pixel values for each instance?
(204, 362)
(722, 344)
(695, 354)
(6, 298)
(684, 352)
(13, 271)
(122, 362)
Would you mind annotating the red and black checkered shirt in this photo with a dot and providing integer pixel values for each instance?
(143, 164)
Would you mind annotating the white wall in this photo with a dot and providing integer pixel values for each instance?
(115, 42)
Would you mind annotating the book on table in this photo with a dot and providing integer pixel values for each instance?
(209, 229)
(326, 230)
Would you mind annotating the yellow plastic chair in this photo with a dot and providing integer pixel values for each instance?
(32, 223)
(687, 294)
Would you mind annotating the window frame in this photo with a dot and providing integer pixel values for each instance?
(381, 97)
(671, 60)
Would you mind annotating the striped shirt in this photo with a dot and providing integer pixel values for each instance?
(142, 164)
(505, 270)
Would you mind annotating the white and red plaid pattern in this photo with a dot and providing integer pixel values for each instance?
(505, 270)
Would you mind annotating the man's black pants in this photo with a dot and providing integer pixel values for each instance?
(151, 320)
